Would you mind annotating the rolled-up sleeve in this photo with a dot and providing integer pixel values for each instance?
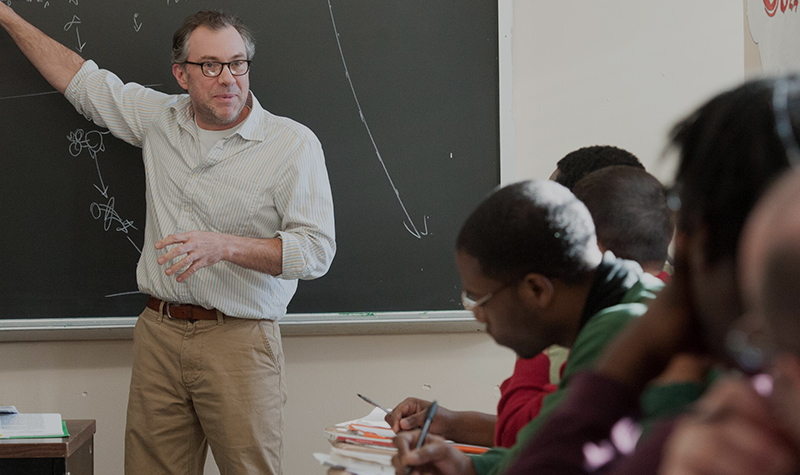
(125, 109)
(305, 203)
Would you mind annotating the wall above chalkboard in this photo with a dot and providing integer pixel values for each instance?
(404, 96)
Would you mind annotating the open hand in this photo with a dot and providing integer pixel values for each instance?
(201, 249)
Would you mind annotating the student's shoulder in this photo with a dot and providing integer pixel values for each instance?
(599, 331)
(644, 290)
(633, 304)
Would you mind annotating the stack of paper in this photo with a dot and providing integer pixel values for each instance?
(21, 426)
(361, 446)
(364, 446)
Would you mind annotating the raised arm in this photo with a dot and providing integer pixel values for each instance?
(56, 63)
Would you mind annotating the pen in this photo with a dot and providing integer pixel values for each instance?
(427, 425)
(387, 411)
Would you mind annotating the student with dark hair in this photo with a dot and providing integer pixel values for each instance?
(731, 149)
(630, 213)
(532, 272)
(577, 164)
(632, 219)
(624, 196)
(744, 426)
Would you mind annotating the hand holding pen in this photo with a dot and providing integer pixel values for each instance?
(425, 428)
(432, 454)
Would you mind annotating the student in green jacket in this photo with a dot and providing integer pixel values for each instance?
(532, 272)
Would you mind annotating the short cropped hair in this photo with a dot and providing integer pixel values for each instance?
(535, 226)
(730, 152)
(215, 21)
(575, 165)
(630, 212)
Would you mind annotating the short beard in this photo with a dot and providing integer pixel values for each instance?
(211, 118)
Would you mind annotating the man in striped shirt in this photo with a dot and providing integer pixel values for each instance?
(238, 208)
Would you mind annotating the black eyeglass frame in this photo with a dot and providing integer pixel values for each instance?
(221, 67)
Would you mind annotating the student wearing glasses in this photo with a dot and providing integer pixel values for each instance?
(533, 273)
(745, 138)
(238, 208)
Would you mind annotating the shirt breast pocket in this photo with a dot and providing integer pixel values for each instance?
(227, 204)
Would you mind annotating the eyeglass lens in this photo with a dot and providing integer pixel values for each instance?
(213, 68)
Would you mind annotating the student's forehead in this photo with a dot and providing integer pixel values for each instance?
(469, 267)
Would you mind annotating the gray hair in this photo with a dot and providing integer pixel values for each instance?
(214, 20)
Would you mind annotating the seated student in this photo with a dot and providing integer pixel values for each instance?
(734, 430)
(729, 154)
(630, 213)
(632, 219)
(523, 392)
(620, 195)
(532, 271)
(579, 163)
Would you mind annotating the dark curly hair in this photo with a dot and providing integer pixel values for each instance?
(531, 226)
(575, 165)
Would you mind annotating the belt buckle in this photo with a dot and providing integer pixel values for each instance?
(166, 307)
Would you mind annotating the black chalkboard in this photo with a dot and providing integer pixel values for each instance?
(425, 74)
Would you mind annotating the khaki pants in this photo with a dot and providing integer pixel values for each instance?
(217, 383)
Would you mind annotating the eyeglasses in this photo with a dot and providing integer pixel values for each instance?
(470, 303)
(212, 69)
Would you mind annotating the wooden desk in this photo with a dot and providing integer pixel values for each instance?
(73, 455)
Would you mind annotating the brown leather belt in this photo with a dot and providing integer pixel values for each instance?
(183, 311)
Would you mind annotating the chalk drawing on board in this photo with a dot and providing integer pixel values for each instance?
(136, 25)
(21, 96)
(29, 95)
(79, 141)
(410, 226)
(44, 2)
(75, 22)
(92, 142)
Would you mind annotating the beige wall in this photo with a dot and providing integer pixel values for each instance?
(89, 380)
(584, 72)
(616, 72)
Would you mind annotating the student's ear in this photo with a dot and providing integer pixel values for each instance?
(179, 71)
(536, 290)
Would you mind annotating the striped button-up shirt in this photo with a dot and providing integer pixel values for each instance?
(266, 180)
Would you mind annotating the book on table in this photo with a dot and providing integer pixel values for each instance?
(26, 426)
(364, 446)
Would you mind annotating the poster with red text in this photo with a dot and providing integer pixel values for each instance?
(775, 26)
